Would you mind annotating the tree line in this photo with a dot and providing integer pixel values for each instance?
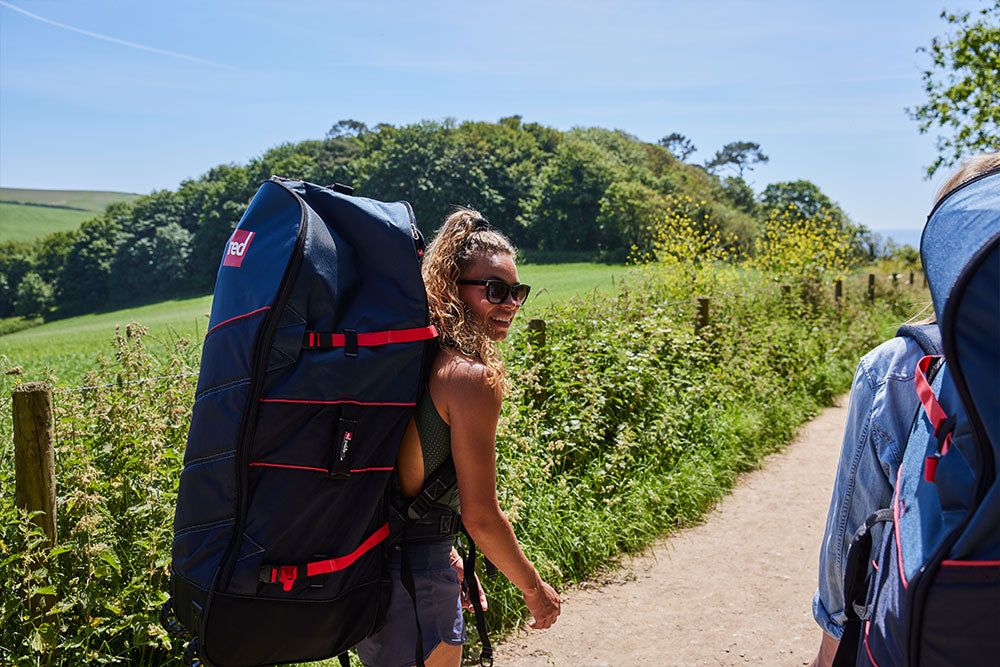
(583, 194)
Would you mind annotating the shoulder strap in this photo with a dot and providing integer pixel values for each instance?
(470, 583)
(857, 574)
(927, 336)
(435, 486)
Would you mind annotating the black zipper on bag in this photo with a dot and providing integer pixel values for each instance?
(258, 372)
(418, 238)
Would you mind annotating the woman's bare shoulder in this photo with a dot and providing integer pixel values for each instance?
(461, 378)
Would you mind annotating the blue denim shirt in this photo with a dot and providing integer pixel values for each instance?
(882, 405)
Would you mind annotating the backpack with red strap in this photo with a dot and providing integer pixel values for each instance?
(931, 596)
(311, 366)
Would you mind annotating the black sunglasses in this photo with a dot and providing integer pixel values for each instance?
(497, 290)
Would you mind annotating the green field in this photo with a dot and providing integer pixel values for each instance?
(94, 201)
(23, 222)
(556, 282)
(70, 347)
(24, 218)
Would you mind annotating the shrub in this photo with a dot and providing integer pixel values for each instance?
(118, 458)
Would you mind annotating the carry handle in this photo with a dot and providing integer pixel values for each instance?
(343, 443)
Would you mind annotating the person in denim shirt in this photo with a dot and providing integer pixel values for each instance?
(879, 415)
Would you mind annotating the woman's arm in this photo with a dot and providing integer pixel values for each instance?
(472, 410)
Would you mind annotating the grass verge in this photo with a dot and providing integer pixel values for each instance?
(69, 348)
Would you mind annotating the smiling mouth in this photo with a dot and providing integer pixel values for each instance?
(497, 320)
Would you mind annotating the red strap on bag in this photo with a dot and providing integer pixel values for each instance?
(934, 412)
(334, 564)
(930, 467)
(927, 399)
(370, 339)
(287, 574)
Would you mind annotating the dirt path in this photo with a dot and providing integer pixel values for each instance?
(735, 590)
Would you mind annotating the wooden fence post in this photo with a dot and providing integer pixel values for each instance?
(911, 277)
(34, 454)
(702, 321)
(35, 468)
(838, 290)
(536, 332)
(871, 287)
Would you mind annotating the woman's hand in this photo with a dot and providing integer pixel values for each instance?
(459, 567)
(544, 604)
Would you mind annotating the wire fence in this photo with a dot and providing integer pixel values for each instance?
(118, 385)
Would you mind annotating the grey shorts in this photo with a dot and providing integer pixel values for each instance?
(438, 601)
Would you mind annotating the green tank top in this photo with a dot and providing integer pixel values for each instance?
(435, 444)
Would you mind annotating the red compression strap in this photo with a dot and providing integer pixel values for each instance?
(371, 339)
(334, 564)
(926, 394)
(930, 467)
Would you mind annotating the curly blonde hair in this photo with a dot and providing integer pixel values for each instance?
(464, 236)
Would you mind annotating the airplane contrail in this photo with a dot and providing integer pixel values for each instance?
(115, 40)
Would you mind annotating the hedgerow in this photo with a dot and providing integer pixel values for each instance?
(627, 423)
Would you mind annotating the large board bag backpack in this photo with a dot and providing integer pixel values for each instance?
(311, 366)
(931, 596)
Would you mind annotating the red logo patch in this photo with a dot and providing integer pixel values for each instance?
(237, 247)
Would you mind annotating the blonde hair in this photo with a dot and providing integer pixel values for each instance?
(974, 166)
(464, 236)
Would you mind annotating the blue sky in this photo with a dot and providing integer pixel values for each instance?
(138, 96)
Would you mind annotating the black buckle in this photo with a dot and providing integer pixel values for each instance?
(351, 343)
(419, 508)
(944, 428)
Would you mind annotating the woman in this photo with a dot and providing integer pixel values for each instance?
(883, 401)
(473, 294)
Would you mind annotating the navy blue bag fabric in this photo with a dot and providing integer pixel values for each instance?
(935, 595)
(281, 526)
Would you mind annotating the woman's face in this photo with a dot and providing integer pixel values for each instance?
(494, 317)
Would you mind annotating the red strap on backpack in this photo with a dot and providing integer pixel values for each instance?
(334, 564)
(370, 339)
(935, 413)
(927, 399)
(287, 574)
